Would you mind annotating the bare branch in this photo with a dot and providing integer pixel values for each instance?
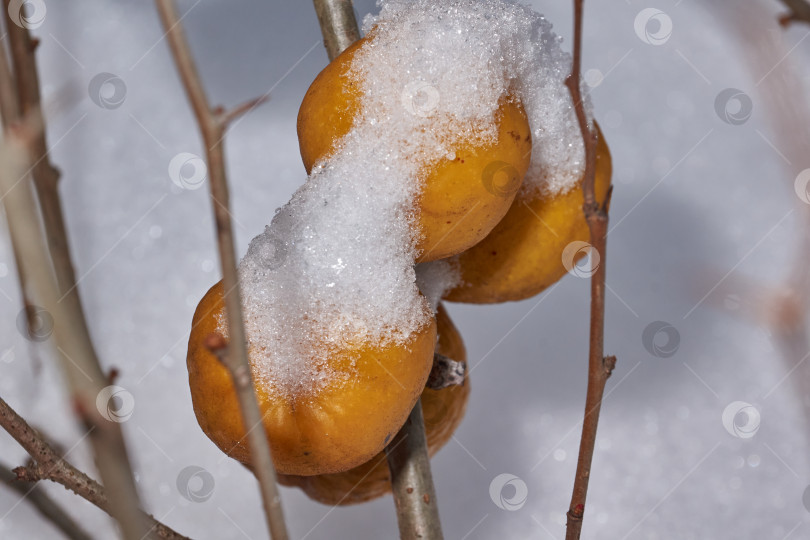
(338, 25)
(10, 113)
(212, 126)
(71, 336)
(46, 176)
(226, 117)
(44, 505)
(49, 465)
(408, 463)
(599, 367)
(411, 481)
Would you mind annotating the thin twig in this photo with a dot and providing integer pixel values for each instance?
(227, 117)
(49, 465)
(338, 25)
(44, 505)
(212, 127)
(599, 366)
(76, 354)
(10, 113)
(411, 481)
(46, 176)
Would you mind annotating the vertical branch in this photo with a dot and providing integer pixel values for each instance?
(72, 339)
(76, 354)
(338, 25)
(411, 481)
(212, 125)
(599, 366)
(46, 176)
(10, 113)
(408, 460)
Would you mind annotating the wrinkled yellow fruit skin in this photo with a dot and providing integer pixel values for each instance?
(443, 411)
(461, 199)
(341, 426)
(523, 253)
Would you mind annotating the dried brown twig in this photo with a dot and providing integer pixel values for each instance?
(77, 356)
(49, 465)
(45, 175)
(10, 113)
(212, 124)
(600, 366)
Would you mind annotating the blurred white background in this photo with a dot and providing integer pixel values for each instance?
(703, 189)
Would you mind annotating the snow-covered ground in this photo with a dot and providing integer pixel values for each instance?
(701, 190)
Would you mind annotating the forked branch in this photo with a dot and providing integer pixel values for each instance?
(49, 465)
(76, 353)
(46, 506)
(212, 124)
